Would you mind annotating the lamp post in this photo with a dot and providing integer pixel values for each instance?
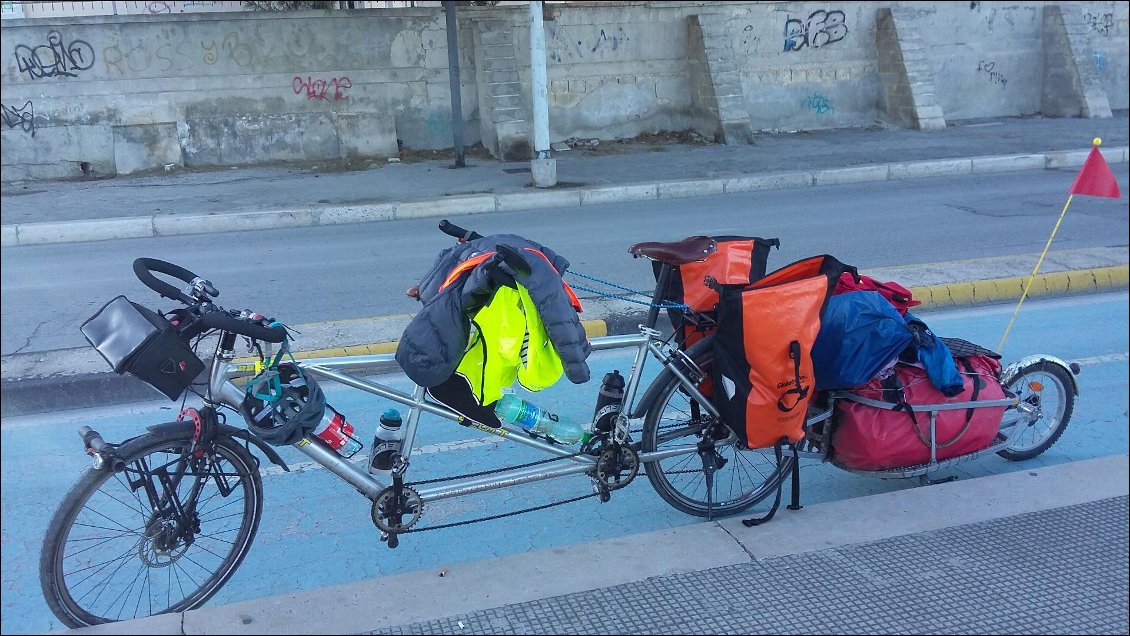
(542, 167)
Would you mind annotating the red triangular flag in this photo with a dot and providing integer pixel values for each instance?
(1095, 178)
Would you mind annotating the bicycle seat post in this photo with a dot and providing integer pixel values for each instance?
(659, 296)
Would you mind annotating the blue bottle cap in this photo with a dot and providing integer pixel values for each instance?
(391, 414)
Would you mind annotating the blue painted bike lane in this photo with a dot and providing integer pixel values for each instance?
(316, 530)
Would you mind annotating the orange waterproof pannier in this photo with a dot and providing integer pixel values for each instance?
(763, 347)
(736, 260)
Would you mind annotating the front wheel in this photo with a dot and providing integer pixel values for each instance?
(743, 477)
(1047, 391)
(161, 536)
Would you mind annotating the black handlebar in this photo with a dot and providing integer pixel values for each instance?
(220, 319)
(212, 317)
(144, 268)
(450, 229)
(509, 255)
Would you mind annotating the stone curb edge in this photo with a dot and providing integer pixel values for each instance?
(25, 396)
(165, 225)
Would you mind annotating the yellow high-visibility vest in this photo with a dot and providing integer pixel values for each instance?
(508, 342)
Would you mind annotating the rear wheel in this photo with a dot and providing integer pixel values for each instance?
(1046, 389)
(163, 535)
(675, 419)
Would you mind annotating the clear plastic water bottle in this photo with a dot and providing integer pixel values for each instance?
(386, 443)
(337, 433)
(513, 409)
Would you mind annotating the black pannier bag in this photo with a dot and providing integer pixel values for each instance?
(140, 341)
(737, 260)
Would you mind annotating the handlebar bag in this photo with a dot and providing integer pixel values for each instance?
(763, 346)
(737, 260)
(134, 339)
(894, 432)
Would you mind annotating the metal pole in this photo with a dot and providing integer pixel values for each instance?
(453, 77)
(543, 168)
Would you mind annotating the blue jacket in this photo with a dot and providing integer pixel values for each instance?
(434, 341)
(935, 357)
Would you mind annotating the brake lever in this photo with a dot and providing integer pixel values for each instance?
(201, 289)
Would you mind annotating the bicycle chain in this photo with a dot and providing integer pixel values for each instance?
(512, 513)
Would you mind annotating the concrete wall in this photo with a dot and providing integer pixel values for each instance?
(129, 93)
(138, 92)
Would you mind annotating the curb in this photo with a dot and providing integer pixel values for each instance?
(25, 396)
(404, 602)
(165, 225)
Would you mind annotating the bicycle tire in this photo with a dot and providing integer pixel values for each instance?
(90, 577)
(748, 476)
(1054, 396)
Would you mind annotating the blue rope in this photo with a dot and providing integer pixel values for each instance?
(664, 305)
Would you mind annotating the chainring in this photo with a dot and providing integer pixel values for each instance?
(614, 461)
(410, 508)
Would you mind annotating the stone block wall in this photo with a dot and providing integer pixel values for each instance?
(131, 93)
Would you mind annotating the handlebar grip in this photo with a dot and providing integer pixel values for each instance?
(143, 268)
(450, 229)
(222, 320)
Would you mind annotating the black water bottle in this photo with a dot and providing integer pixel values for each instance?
(608, 401)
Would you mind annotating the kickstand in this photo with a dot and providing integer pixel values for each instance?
(795, 503)
(709, 465)
(923, 480)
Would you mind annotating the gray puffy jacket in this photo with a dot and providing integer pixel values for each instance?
(434, 341)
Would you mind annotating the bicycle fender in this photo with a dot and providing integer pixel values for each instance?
(230, 431)
(1014, 368)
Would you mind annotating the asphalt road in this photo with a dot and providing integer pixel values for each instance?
(316, 530)
(316, 274)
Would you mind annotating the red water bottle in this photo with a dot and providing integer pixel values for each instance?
(336, 432)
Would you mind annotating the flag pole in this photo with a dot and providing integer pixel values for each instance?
(1028, 285)
(1096, 142)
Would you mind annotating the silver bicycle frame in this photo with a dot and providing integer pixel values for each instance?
(343, 370)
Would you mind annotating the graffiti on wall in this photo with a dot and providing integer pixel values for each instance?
(1100, 23)
(562, 45)
(317, 88)
(995, 77)
(55, 59)
(819, 104)
(23, 117)
(820, 29)
(1101, 62)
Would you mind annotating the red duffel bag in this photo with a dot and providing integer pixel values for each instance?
(868, 437)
